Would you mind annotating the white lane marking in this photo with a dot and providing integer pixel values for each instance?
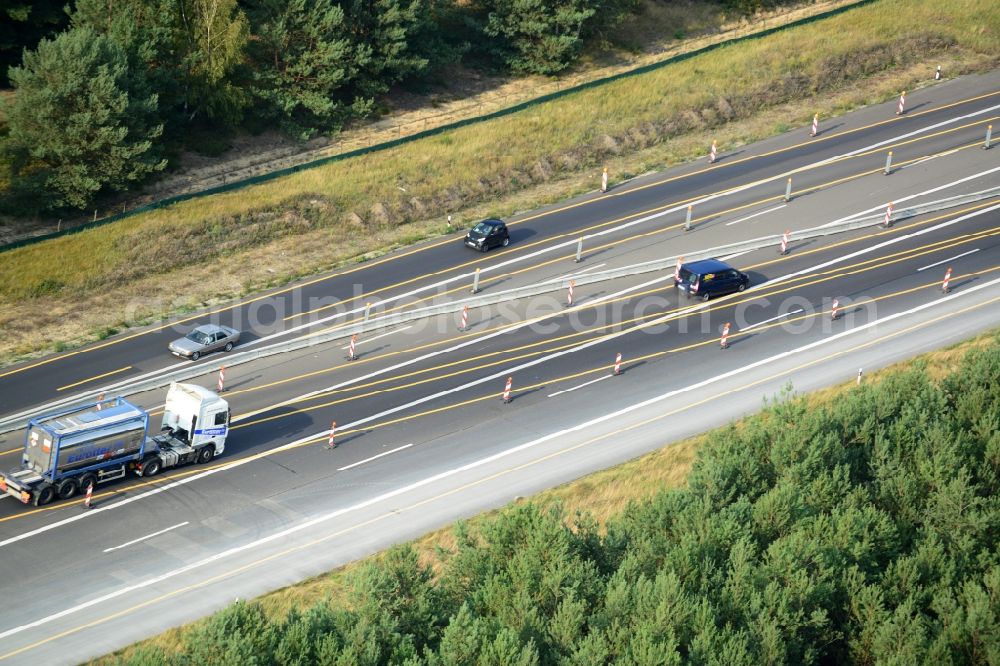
(465, 276)
(859, 151)
(585, 270)
(945, 261)
(892, 241)
(543, 359)
(732, 256)
(313, 522)
(291, 445)
(768, 321)
(381, 335)
(922, 160)
(366, 460)
(148, 536)
(473, 341)
(570, 390)
(928, 128)
(900, 200)
(750, 217)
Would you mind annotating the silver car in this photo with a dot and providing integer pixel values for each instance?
(205, 339)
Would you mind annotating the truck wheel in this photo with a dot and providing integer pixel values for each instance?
(151, 467)
(44, 496)
(206, 453)
(66, 488)
(87, 480)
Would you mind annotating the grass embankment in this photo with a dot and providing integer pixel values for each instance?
(68, 289)
(848, 525)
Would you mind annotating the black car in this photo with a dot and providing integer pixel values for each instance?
(710, 277)
(487, 234)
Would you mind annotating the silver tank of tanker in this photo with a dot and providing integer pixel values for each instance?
(85, 436)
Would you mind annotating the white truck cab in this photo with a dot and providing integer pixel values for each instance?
(197, 416)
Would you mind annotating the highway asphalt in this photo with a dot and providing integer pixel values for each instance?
(964, 106)
(423, 437)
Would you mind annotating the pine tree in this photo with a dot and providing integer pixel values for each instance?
(538, 36)
(83, 121)
(303, 60)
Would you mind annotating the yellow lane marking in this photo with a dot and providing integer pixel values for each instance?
(580, 232)
(504, 276)
(658, 315)
(492, 395)
(799, 281)
(96, 377)
(784, 287)
(472, 484)
(422, 248)
(758, 294)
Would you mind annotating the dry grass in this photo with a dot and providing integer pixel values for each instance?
(327, 216)
(652, 36)
(602, 495)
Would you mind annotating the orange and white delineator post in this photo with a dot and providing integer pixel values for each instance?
(902, 104)
(618, 364)
(815, 125)
(222, 378)
(887, 222)
(784, 243)
(465, 318)
(947, 278)
(569, 293)
(724, 341)
(712, 153)
(604, 180)
(350, 352)
(835, 310)
(331, 443)
(88, 496)
(506, 390)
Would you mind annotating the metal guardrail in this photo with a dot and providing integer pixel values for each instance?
(20, 420)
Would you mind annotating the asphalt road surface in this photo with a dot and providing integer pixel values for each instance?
(423, 436)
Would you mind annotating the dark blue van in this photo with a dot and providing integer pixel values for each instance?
(710, 277)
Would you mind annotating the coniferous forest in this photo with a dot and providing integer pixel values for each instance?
(861, 531)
